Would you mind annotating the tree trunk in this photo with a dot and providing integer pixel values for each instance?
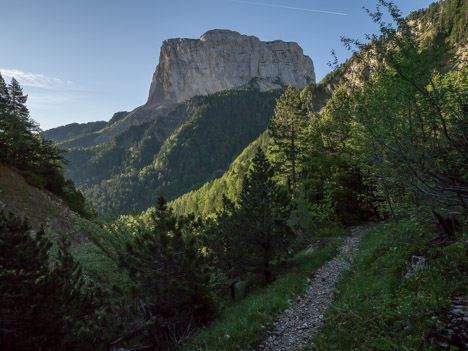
(232, 289)
(266, 261)
(266, 271)
(293, 158)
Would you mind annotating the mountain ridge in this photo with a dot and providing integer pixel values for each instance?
(194, 78)
(219, 60)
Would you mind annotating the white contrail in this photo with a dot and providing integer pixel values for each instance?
(290, 7)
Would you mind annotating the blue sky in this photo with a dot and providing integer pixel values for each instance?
(83, 60)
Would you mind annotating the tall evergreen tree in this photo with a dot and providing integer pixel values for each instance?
(4, 95)
(43, 304)
(17, 100)
(226, 249)
(287, 130)
(40, 160)
(168, 270)
(263, 212)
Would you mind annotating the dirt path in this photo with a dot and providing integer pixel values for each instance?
(299, 324)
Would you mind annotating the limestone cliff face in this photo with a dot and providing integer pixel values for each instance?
(223, 59)
(219, 60)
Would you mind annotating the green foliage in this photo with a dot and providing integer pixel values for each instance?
(225, 249)
(128, 172)
(378, 307)
(244, 324)
(248, 237)
(45, 303)
(209, 198)
(262, 216)
(309, 220)
(168, 269)
(17, 101)
(405, 115)
(443, 22)
(332, 178)
(4, 95)
(286, 130)
(40, 160)
(410, 119)
(390, 139)
(314, 97)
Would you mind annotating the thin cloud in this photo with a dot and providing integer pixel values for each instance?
(37, 80)
(50, 100)
(290, 7)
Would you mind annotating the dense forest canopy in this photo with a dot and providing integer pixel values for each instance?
(128, 173)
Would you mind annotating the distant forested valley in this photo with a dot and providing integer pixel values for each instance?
(128, 173)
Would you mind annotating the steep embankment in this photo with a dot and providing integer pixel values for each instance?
(41, 207)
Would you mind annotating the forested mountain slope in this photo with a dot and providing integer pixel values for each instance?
(129, 172)
(443, 23)
(391, 142)
(63, 135)
(208, 198)
(107, 159)
(41, 207)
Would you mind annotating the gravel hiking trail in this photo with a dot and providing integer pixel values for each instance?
(299, 324)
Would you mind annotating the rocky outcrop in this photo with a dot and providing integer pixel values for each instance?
(223, 59)
(219, 60)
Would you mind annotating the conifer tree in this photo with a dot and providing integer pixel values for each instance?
(44, 304)
(4, 96)
(263, 212)
(287, 130)
(168, 270)
(18, 100)
(226, 247)
(41, 160)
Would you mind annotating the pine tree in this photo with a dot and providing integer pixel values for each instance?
(18, 100)
(287, 130)
(17, 138)
(43, 304)
(4, 96)
(227, 251)
(24, 270)
(263, 211)
(168, 270)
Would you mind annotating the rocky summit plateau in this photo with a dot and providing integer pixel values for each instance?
(223, 59)
(218, 60)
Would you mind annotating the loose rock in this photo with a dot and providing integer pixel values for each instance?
(299, 324)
